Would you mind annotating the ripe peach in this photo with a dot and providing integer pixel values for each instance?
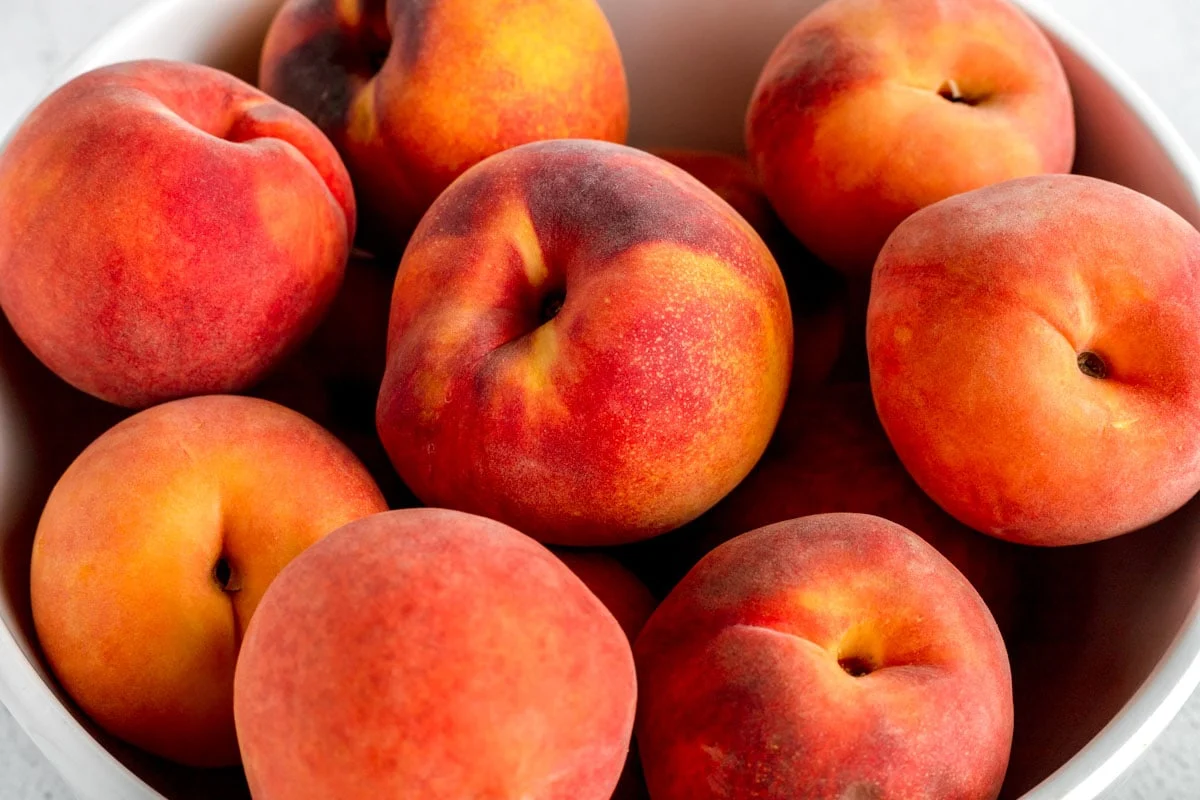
(433, 654)
(830, 454)
(414, 93)
(155, 548)
(585, 343)
(871, 109)
(836, 656)
(167, 230)
(1031, 348)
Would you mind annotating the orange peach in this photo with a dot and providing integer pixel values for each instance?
(872, 109)
(830, 657)
(167, 230)
(830, 454)
(432, 654)
(626, 597)
(585, 343)
(1031, 349)
(414, 93)
(155, 548)
(815, 291)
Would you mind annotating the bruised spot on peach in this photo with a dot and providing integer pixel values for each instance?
(567, 193)
(318, 61)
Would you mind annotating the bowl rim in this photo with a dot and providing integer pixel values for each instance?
(1091, 770)
(1175, 677)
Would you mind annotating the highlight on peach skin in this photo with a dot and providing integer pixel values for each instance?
(414, 93)
(827, 657)
(464, 660)
(829, 454)
(585, 343)
(131, 202)
(1032, 350)
(869, 110)
(155, 548)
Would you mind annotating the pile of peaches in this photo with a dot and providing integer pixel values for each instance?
(838, 382)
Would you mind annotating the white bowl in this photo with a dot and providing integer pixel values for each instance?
(1110, 647)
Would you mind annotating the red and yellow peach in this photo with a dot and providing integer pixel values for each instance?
(167, 230)
(585, 343)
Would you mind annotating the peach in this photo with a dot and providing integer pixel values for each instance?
(1031, 349)
(585, 343)
(830, 454)
(869, 110)
(626, 597)
(167, 230)
(414, 93)
(432, 654)
(818, 301)
(157, 545)
(631, 603)
(836, 656)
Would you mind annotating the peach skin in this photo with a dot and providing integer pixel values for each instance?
(631, 604)
(872, 109)
(167, 230)
(1031, 348)
(585, 343)
(829, 454)
(817, 296)
(621, 592)
(155, 548)
(830, 657)
(414, 92)
(428, 654)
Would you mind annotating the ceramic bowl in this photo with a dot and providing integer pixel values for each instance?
(1109, 647)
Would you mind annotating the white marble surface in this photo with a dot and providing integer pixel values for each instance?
(1155, 40)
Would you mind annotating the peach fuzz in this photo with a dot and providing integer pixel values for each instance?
(157, 545)
(836, 656)
(414, 93)
(167, 230)
(817, 296)
(432, 654)
(829, 454)
(585, 343)
(869, 110)
(1032, 351)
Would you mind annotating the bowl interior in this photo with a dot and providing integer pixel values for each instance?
(1096, 620)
